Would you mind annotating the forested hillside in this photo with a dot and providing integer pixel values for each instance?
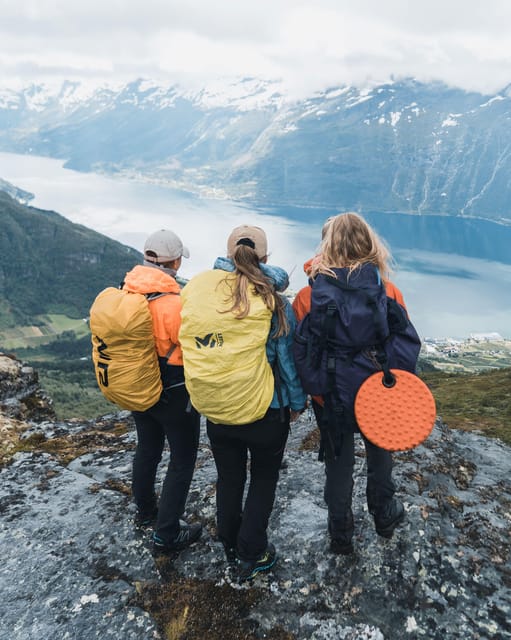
(51, 265)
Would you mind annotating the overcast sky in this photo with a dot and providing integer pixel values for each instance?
(307, 44)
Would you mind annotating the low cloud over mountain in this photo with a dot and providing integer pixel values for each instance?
(408, 147)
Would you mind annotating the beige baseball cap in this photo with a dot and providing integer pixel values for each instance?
(166, 246)
(245, 232)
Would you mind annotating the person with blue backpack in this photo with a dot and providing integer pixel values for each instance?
(357, 325)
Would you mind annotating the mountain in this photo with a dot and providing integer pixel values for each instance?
(404, 146)
(74, 566)
(15, 192)
(50, 265)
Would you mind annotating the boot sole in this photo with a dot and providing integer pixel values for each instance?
(388, 531)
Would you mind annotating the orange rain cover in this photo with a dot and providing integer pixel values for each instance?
(395, 418)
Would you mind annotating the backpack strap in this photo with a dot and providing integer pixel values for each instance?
(371, 302)
(157, 294)
(388, 378)
(332, 411)
(154, 296)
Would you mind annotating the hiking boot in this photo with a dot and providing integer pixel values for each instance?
(145, 518)
(249, 569)
(230, 555)
(389, 517)
(188, 534)
(341, 534)
(341, 546)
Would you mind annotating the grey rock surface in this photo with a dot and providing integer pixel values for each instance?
(73, 563)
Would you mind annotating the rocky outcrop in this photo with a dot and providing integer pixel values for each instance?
(20, 394)
(75, 567)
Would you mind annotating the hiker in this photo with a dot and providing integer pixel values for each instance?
(172, 417)
(237, 336)
(354, 257)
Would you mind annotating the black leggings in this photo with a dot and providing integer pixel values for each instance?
(173, 419)
(244, 526)
(380, 487)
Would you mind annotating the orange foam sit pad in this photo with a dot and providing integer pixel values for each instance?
(397, 417)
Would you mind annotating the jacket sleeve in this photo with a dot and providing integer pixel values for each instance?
(395, 293)
(302, 303)
(282, 349)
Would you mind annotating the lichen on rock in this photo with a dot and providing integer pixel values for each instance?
(74, 566)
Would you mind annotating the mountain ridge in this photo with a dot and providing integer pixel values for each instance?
(402, 146)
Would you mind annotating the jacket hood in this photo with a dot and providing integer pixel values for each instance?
(277, 275)
(144, 279)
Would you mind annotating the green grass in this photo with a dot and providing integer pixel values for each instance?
(470, 400)
(63, 362)
(474, 401)
(75, 398)
(44, 329)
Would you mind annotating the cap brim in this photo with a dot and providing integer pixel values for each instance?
(185, 253)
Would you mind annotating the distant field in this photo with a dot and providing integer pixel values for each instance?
(470, 356)
(45, 329)
(471, 381)
(60, 348)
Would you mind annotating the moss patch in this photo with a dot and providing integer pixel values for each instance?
(10, 431)
(476, 401)
(311, 441)
(191, 609)
(67, 448)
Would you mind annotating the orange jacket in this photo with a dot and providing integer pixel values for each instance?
(165, 310)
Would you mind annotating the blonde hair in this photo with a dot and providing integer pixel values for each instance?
(248, 273)
(349, 242)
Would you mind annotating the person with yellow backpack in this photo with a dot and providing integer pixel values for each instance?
(237, 335)
(171, 418)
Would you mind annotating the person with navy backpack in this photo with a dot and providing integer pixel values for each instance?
(357, 325)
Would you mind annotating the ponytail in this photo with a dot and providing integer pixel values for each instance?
(248, 273)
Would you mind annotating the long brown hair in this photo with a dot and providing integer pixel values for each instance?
(350, 242)
(248, 273)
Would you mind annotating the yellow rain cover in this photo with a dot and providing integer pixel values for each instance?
(226, 369)
(123, 349)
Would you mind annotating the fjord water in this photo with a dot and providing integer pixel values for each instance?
(455, 273)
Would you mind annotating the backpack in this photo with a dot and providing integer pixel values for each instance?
(123, 349)
(227, 373)
(352, 331)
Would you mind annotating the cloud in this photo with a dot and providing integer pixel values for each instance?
(308, 45)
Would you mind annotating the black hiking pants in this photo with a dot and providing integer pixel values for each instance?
(244, 527)
(173, 419)
(380, 487)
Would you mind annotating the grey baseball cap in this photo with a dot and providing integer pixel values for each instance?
(166, 246)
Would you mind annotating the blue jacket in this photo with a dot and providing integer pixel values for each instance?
(280, 348)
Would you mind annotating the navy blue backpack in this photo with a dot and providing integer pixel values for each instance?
(353, 330)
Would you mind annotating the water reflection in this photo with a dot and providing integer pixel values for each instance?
(455, 273)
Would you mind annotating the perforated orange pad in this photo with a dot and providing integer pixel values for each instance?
(395, 418)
